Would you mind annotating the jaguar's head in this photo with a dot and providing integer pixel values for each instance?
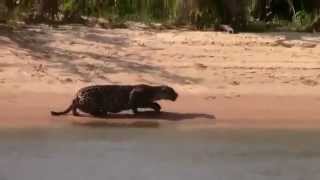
(168, 93)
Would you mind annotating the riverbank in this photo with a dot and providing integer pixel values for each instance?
(268, 80)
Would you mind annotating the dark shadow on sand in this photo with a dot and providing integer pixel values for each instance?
(142, 120)
(151, 115)
(36, 42)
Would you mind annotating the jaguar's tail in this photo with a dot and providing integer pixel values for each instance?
(53, 113)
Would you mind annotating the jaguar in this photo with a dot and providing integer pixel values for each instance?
(100, 100)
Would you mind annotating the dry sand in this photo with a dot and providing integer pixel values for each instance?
(268, 80)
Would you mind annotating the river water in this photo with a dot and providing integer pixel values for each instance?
(82, 153)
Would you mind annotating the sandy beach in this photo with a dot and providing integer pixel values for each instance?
(267, 80)
(247, 106)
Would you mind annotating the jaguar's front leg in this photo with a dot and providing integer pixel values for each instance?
(155, 106)
(135, 110)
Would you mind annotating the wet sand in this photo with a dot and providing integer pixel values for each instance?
(188, 112)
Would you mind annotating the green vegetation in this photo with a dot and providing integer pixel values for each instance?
(240, 14)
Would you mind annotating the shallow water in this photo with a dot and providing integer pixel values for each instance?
(119, 153)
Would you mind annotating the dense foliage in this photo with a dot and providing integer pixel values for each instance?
(201, 13)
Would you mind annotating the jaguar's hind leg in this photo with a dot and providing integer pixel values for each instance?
(75, 112)
(74, 109)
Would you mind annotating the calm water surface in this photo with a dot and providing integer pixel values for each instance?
(157, 154)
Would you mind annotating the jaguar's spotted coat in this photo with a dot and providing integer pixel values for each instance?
(100, 100)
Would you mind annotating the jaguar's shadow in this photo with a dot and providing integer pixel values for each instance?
(141, 120)
(169, 116)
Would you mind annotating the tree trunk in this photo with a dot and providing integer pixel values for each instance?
(10, 4)
(48, 9)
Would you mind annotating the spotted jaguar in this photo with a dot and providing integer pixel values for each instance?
(100, 100)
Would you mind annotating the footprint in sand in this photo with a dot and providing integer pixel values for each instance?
(40, 68)
(101, 76)
(287, 82)
(232, 96)
(65, 80)
(235, 83)
(90, 67)
(141, 44)
(210, 98)
(200, 66)
(308, 82)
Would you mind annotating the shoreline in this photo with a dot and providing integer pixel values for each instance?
(189, 112)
